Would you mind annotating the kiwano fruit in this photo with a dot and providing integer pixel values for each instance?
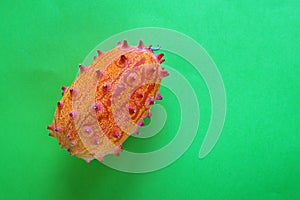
(108, 101)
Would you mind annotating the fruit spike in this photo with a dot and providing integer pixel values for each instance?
(141, 123)
(60, 104)
(136, 131)
(108, 101)
(125, 44)
(159, 56)
(116, 152)
(150, 101)
(141, 45)
(122, 59)
(64, 90)
(57, 129)
(50, 127)
(99, 52)
(164, 73)
(120, 147)
(72, 114)
(149, 114)
(99, 73)
(158, 96)
(82, 68)
(119, 43)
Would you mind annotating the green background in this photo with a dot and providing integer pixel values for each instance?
(256, 48)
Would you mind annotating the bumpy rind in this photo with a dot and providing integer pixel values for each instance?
(108, 101)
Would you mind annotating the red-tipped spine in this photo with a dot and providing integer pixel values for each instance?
(136, 131)
(141, 45)
(116, 134)
(158, 96)
(164, 73)
(100, 158)
(120, 147)
(82, 68)
(106, 87)
(116, 152)
(57, 129)
(150, 101)
(70, 135)
(159, 56)
(98, 107)
(140, 94)
(99, 73)
(125, 44)
(64, 88)
(73, 91)
(141, 123)
(72, 114)
(123, 59)
(149, 114)
(87, 161)
(132, 110)
(60, 105)
(99, 52)
(50, 127)
(119, 44)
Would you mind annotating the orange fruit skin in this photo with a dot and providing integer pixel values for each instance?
(108, 101)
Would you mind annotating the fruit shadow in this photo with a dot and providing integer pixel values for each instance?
(85, 181)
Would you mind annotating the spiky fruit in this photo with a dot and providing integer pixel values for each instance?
(108, 101)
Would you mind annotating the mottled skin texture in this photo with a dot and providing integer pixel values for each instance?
(108, 101)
